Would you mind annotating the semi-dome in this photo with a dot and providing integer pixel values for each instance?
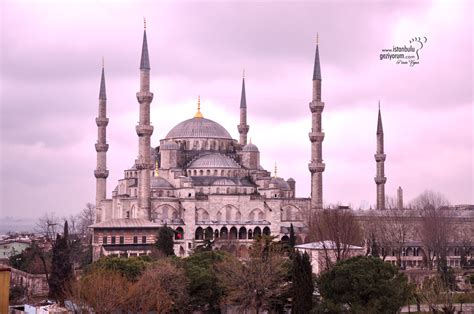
(280, 183)
(214, 161)
(158, 182)
(250, 148)
(198, 128)
(223, 181)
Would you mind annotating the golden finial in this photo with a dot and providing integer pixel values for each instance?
(102, 62)
(243, 74)
(379, 104)
(198, 113)
(250, 141)
(275, 170)
(144, 23)
(317, 38)
(156, 168)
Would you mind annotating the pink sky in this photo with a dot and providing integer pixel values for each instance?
(50, 70)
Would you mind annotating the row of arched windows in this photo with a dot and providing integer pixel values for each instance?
(232, 234)
(229, 214)
(213, 172)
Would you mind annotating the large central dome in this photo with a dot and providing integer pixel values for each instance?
(198, 128)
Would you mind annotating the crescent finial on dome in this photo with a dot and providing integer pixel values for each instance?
(198, 113)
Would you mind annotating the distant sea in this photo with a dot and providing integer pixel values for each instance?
(11, 224)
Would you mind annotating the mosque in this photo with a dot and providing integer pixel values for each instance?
(202, 183)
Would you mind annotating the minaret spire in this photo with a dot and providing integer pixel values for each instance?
(243, 127)
(144, 131)
(380, 157)
(101, 173)
(316, 136)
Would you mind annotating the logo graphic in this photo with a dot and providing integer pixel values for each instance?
(405, 55)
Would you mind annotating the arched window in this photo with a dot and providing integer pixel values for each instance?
(216, 233)
(208, 233)
(201, 172)
(208, 172)
(224, 233)
(233, 233)
(250, 236)
(222, 173)
(257, 232)
(266, 231)
(242, 233)
(179, 234)
(199, 234)
(217, 190)
(195, 172)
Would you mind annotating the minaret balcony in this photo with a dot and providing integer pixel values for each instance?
(380, 180)
(316, 167)
(316, 106)
(316, 136)
(243, 128)
(101, 147)
(380, 157)
(144, 97)
(101, 173)
(144, 130)
(140, 164)
(102, 121)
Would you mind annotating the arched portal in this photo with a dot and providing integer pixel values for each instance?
(233, 233)
(266, 231)
(224, 233)
(257, 232)
(208, 233)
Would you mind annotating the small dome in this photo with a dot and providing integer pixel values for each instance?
(250, 148)
(290, 180)
(158, 182)
(214, 161)
(223, 181)
(198, 128)
(169, 145)
(280, 183)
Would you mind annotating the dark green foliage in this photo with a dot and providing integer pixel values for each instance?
(164, 241)
(131, 268)
(303, 287)
(31, 260)
(61, 268)
(204, 289)
(17, 294)
(364, 285)
(292, 241)
(374, 247)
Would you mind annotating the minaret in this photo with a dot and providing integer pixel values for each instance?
(400, 198)
(316, 136)
(380, 156)
(243, 127)
(101, 173)
(144, 131)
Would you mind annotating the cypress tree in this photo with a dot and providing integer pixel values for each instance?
(61, 268)
(303, 285)
(292, 241)
(164, 240)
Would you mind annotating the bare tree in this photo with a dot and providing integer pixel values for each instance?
(161, 288)
(257, 282)
(105, 291)
(435, 228)
(394, 232)
(337, 229)
(48, 226)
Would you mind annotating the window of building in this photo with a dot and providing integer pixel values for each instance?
(144, 239)
(112, 240)
(122, 240)
(135, 240)
(104, 240)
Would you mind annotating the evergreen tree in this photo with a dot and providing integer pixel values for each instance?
(292, 241)
(61, 268)
(164, 241)
(303, 286)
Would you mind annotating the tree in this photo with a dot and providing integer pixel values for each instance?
(162, 288)
(364, 285)
(435, 229)
(303, 287)
(130, 268)
(103, 290)
(258, 283)
(164, 241)
(338, 226)
(61, 268)
(205, 290)
(292, 241)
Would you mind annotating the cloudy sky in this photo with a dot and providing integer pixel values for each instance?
(51, 55)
